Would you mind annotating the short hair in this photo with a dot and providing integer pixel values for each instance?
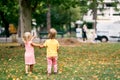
(52, 33)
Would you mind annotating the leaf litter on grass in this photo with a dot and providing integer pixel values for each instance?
(84, 62)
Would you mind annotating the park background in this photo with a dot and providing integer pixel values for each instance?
(77, 60)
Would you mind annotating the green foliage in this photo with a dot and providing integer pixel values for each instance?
(84, 62)
(10, 10)
(83, 6)
(65, 12)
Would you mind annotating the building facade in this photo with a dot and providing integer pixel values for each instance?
(106, 11)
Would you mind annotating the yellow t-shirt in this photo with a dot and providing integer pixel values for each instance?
(52, 46)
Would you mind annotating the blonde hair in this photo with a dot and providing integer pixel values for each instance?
(27, 36)
(52, 33)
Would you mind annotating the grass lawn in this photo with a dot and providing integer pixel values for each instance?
(84, 62)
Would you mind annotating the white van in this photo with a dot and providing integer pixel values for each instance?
(108, 32)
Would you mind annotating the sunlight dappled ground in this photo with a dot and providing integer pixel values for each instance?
(85, 61)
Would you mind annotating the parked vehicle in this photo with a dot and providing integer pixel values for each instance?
(108, 32)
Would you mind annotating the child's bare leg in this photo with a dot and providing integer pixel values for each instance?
(31, 68)
(26, 68)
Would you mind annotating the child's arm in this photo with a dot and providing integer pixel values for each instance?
(41, 46)
(57, 49)
(23, 40)
(33, 38)
(35, 44)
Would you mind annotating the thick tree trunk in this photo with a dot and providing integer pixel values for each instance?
(25, 17)
(49, 17)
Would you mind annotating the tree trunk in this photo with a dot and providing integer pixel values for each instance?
(95, 14)
(25, 17)
(49, 17)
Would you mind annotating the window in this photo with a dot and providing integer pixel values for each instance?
(109, 5)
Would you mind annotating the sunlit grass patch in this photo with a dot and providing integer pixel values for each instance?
(85, 62)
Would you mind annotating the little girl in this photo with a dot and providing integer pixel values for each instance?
(29, 51)
(52, 46)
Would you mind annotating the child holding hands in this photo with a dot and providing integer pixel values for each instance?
(52, 46)
(29, 51)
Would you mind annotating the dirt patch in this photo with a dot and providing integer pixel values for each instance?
(68, 41)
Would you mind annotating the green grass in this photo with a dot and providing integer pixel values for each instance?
(85, 62)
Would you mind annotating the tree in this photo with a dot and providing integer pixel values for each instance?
(84, 7)
(56, 3)
(48, 15)
(26, 9)
(8, 14)
(25, 16)
(94, 8)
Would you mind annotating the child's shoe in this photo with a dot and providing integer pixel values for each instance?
(48, 74)
(30, 72)
(55, 72)
(26, 73)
